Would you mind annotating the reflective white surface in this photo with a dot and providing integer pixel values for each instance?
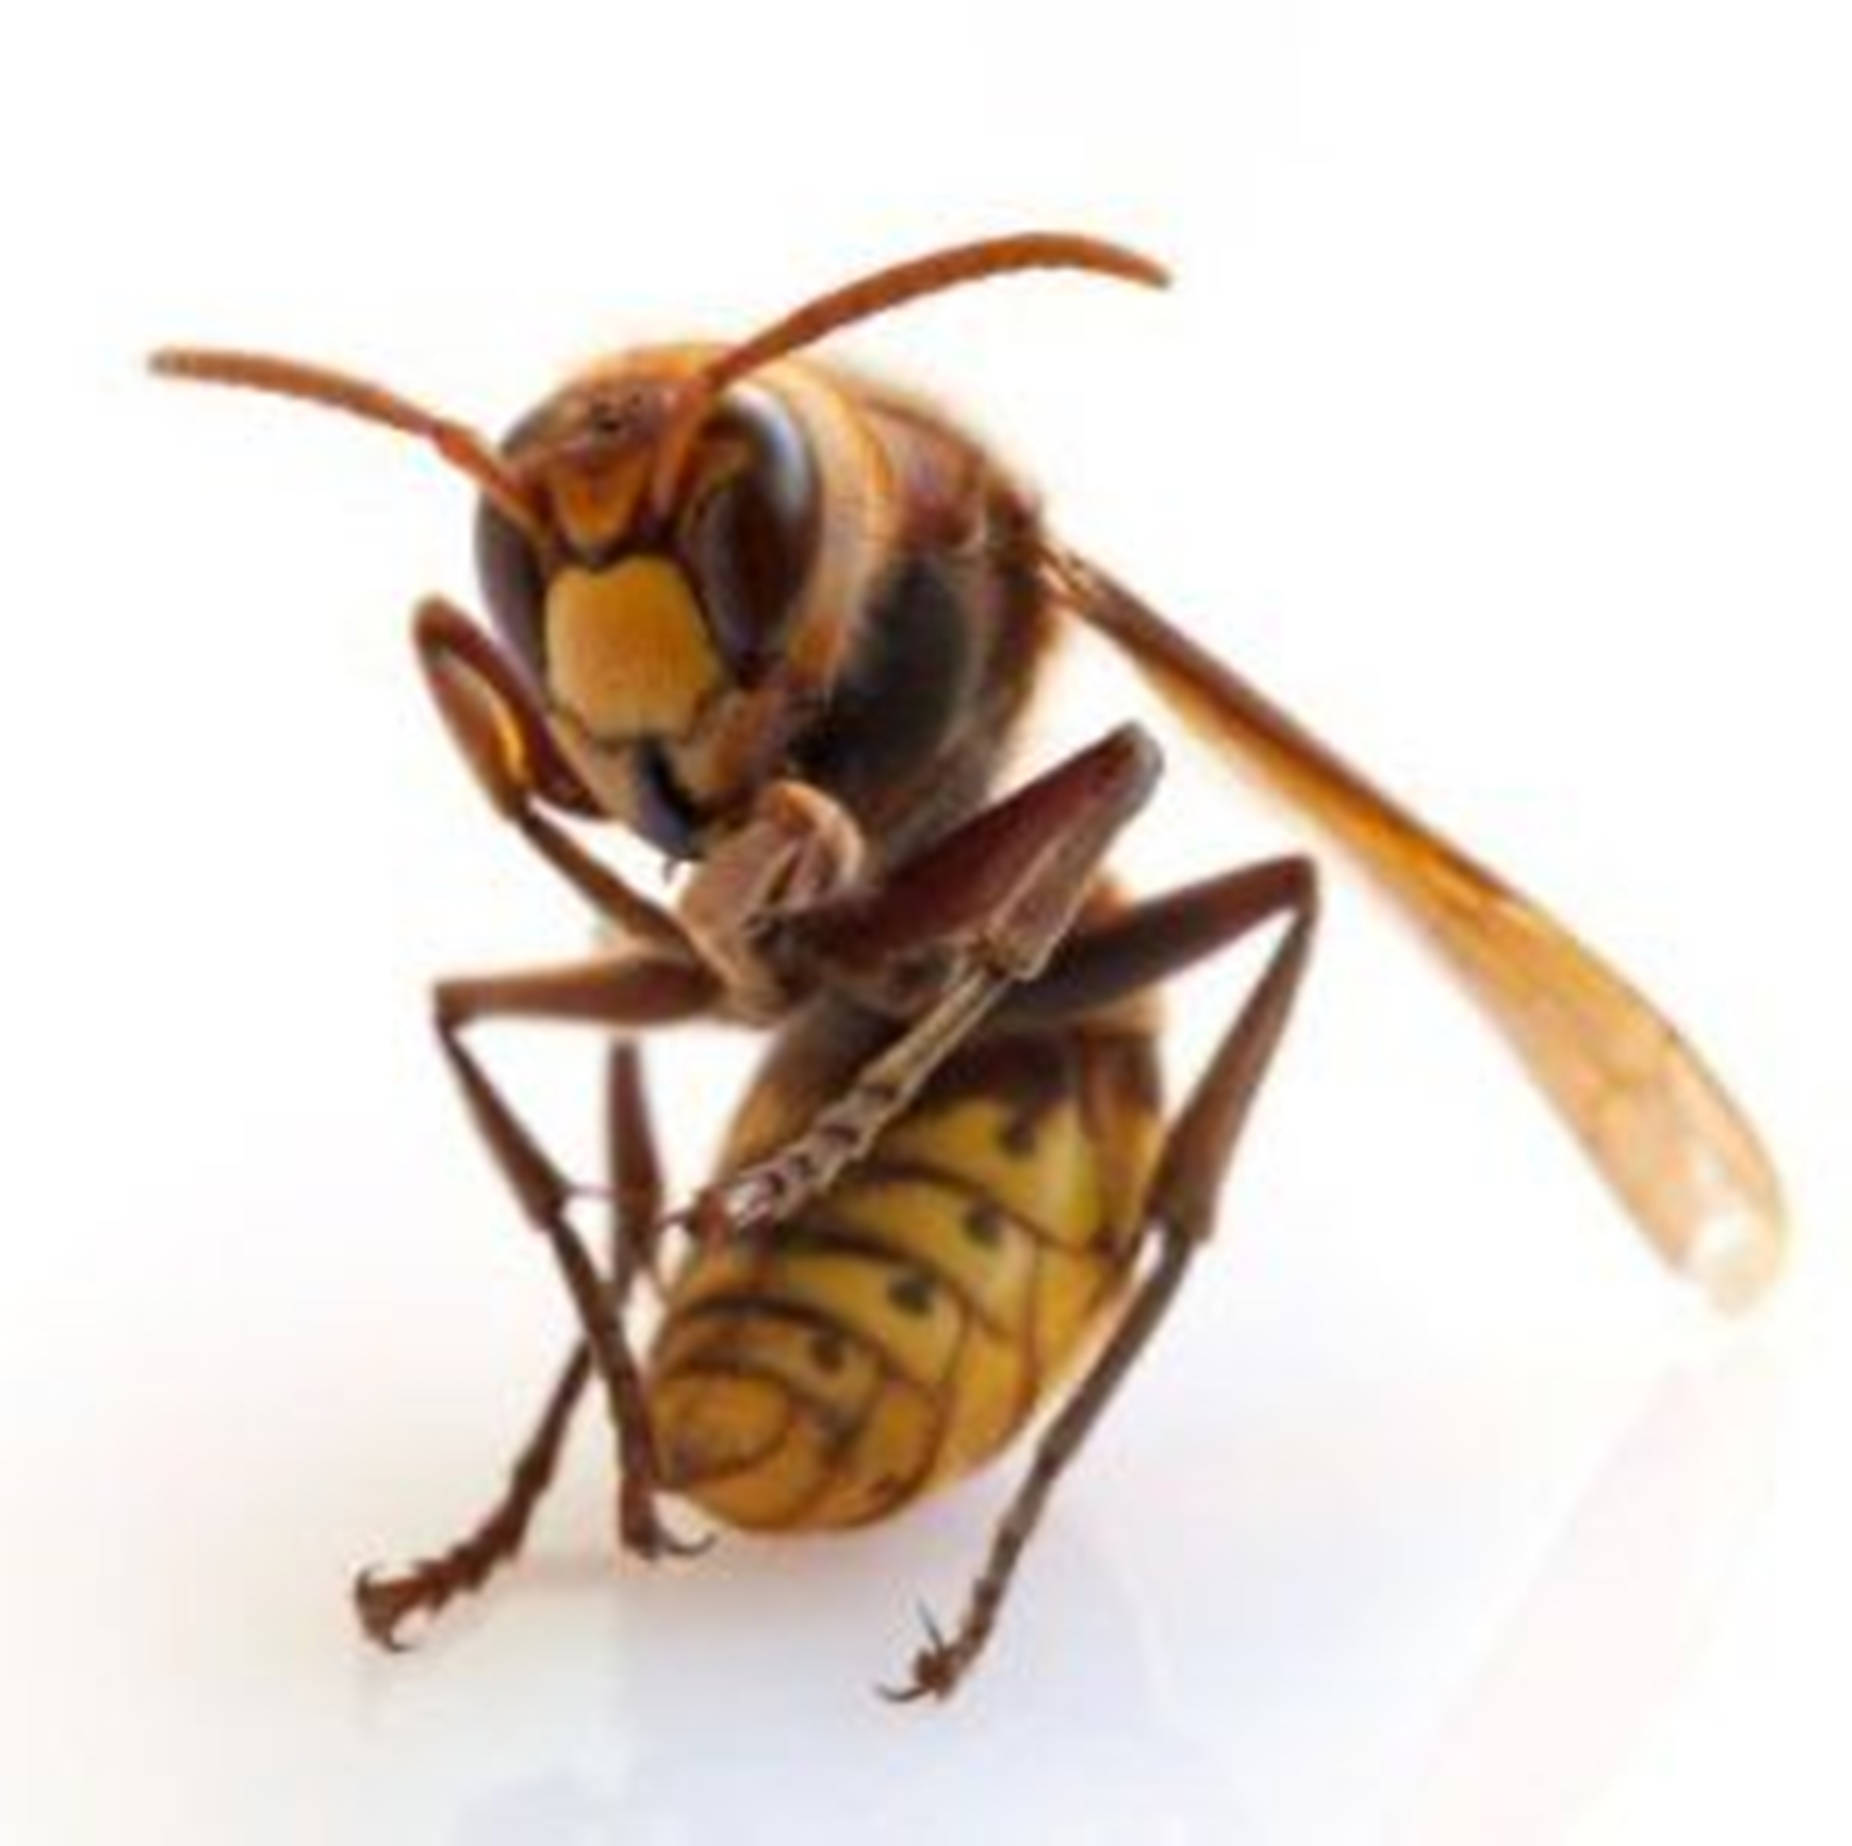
(1498, 425)
(1442, 1608)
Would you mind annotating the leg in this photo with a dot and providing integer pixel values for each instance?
(1180, 1207)
(646, 992)
(940, 941)
(385, 1602)
(491, 716)
(636, 1173)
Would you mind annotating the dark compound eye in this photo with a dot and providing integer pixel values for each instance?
(513, 583)
(513, 586)
(748, 538)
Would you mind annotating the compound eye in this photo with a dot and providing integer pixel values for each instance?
(514, 587)
(747, 539)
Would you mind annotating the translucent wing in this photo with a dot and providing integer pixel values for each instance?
(1665, 1133)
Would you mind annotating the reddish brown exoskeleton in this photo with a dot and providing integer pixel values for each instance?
(783, 624)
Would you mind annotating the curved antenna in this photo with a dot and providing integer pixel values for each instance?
(458, 444)
(874, 294)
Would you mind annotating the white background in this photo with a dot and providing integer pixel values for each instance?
(1500, 423)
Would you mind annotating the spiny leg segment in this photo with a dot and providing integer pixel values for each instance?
(385, 1601)
(544, 1194)
(1129, 951)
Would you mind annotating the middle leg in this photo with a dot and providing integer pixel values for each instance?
(622, 995)
(385, 1601)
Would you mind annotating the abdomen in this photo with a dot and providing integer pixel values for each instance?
(902, 1327)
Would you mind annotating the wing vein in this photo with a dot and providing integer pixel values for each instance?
(1655, 1121)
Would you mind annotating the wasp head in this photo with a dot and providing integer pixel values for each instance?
(647, 534)
(649, 583)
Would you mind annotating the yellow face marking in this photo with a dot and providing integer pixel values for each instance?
(627, 651)
(595, 504)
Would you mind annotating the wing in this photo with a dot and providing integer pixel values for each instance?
(1662, 1130)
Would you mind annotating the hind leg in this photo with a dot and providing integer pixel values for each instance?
(1125, 953)
(385, 1601)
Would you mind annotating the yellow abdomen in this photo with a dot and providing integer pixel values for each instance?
(901, 1328)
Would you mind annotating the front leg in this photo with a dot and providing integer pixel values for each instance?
(491, 716)
(942, 938)
(796, 851)
(623, 995)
